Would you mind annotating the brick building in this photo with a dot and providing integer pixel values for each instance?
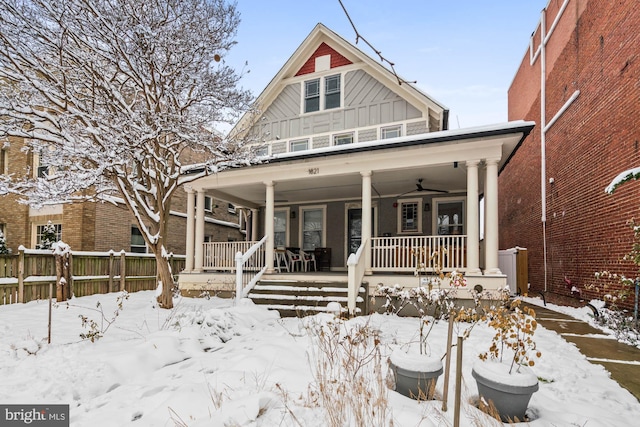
(99, 226)
(551, 194)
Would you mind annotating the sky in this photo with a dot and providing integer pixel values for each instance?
(210, 362)
(463, 53)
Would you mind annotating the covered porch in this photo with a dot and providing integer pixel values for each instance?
(377, 212)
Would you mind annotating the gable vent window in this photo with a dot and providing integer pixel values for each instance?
(312, 95)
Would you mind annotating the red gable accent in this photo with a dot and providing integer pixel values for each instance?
(337, 60)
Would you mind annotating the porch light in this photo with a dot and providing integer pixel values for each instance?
(427, 207)
(293, 215)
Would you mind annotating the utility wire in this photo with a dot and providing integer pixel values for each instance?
(382, 58)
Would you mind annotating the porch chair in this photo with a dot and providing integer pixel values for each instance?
(281, 260)
(293, 260)
(308, 258)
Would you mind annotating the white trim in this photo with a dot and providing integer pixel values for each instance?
(378, 128)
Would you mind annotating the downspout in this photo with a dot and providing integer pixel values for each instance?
(543, 151)
(544, 38)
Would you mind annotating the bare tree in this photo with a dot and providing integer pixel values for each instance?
(118, 97)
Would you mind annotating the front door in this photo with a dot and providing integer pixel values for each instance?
(354, 230)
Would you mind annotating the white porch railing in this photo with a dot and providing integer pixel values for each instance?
(250, 267)
(429, 253)
(355, 271)
(221, 255)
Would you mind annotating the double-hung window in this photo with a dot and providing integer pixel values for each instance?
(138, 245)
(332, 92)
(312, 95)
(313, 101)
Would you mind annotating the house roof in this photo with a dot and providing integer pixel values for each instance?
(322, 35)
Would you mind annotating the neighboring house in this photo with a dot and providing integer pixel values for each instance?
(360, 170)
(98, 226)
(552, 193)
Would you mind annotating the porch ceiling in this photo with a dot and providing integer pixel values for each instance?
(387, 183)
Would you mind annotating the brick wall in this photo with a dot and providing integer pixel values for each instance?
(594, 50)
(13, 214)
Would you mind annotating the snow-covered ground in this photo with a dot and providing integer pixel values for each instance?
(212, 363)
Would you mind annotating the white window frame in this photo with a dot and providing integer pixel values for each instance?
(131, 245)
(302, 211)
(231, 208)
(35, 234)
(338, 136)
(389, 129)
(332, 91)
(436, 201)
(298, 142)
(4, 160)
(208, 204)
(262, 151)
(418, 219)
(307, 96)
(322, 92)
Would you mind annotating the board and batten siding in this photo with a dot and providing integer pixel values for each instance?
(367, 102)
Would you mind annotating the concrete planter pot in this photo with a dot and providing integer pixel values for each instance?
(415, 374)
(508, 393)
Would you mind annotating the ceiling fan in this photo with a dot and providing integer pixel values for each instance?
(420, 188)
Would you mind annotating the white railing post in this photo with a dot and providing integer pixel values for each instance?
(356, 266)
(239, 284)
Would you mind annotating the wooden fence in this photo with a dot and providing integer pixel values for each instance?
(26, 276)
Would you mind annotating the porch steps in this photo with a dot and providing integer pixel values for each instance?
(294, 298)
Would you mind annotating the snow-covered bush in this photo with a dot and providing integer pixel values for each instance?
(4, 250)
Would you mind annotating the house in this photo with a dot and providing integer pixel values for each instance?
(360, 170)
(97, 226)
(552, 193)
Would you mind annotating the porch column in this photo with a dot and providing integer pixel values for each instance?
(491, 217)
(254, 225)
(366, 220)
(199, 243)
(191, 217)
(268, 225)
(473, 218)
